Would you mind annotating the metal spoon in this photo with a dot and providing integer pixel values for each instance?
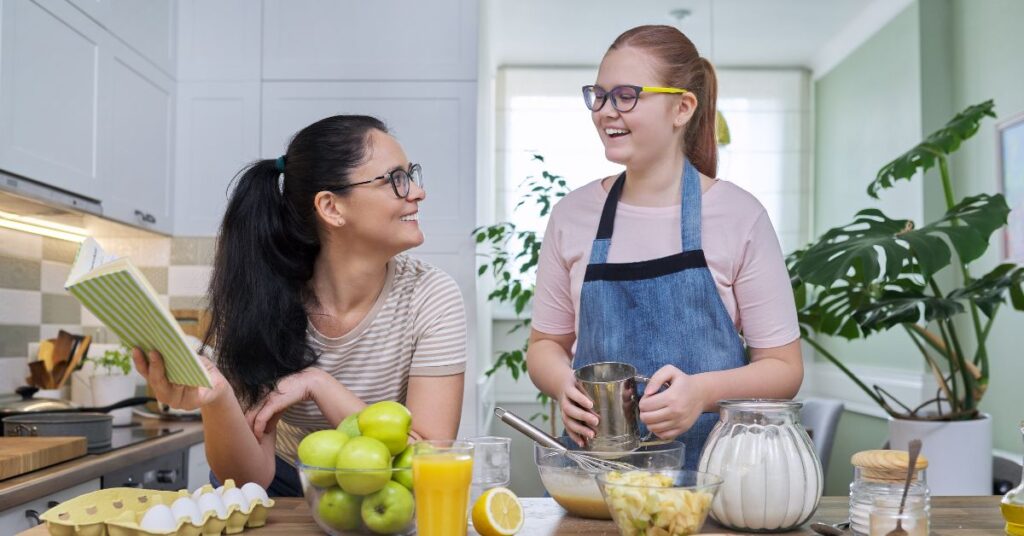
(838, 529)
(915, 449)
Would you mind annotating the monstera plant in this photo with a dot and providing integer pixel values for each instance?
(878, 273)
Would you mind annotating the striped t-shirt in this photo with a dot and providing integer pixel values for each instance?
(416, 327)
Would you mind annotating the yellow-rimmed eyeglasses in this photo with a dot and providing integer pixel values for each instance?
(623, 98)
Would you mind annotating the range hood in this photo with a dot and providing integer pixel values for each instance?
(24, 201)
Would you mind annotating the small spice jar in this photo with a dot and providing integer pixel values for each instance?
(885, 515)
(882, 473)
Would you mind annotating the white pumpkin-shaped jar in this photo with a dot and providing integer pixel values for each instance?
(772, 478)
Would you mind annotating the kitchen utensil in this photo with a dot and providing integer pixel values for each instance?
(45, 353)
(81, 347)
(57, 374)
(612, 387)
(41, 377)
(588, 463)
(96, 427)
(914, 449)
(63, 346)
(773, 478)
(19, 455)
(837, 529)
(641, 502)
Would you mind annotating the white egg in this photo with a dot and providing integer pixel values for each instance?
(219, 490)
(211, 502)
(185, 507)
(235, 496)
(158, 518)
(255, 493)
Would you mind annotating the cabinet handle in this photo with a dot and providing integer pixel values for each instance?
(33, 518)
(166, 476)
(145, 216)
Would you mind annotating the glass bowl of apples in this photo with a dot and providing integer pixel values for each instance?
(668, 502)
(357, 479)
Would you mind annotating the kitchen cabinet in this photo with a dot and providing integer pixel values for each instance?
(83, 112)
(20, 518)
(218, 132)
(148, 27)
(330, 40)
(50, 99)
(136, 144)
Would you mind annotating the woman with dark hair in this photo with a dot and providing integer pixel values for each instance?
(663, 266)
(316, 312)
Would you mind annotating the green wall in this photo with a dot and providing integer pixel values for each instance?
(867, 111)
(987, 40)
(931, 61)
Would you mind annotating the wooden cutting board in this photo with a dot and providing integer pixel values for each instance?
(19, 455)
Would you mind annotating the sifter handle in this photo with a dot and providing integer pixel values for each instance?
(527, 429)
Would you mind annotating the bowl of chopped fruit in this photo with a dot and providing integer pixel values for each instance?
(668, 502)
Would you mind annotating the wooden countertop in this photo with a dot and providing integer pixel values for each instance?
(46, 481)
(951, 516)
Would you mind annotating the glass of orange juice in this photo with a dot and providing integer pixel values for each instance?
(442, 471)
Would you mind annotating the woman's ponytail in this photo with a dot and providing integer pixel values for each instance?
(700, 140)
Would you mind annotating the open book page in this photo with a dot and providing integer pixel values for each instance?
(119, 295)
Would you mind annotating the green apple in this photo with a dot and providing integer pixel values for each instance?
(320, 449)
(389, 510)
(350, 425)
(340, 510)
(364, 465)
(387, 421)
(403, 461)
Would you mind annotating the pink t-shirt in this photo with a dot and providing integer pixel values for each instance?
(739, 243)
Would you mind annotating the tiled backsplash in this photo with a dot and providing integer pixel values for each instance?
(34, 304)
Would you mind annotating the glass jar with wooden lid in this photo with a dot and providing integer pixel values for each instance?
(881, 473)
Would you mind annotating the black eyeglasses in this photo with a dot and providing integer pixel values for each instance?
(623, 97)
(401, 180)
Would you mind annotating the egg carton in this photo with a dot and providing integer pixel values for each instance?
(120, 511)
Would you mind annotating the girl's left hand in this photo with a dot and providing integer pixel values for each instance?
(673, 411)
(292, 389)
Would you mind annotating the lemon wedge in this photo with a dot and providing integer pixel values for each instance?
(497, 513)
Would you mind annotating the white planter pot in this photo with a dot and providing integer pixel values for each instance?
(959, 452)
(107, 390)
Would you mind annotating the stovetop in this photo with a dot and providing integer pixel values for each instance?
(123, 436)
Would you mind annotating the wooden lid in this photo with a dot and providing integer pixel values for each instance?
(885, 465)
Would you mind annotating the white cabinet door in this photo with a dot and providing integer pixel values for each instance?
(198, 467)
(383, 40)
(219, 41)
(218, 133)
(136, 147)
(50, 100)
(16, 520)
(149, 27)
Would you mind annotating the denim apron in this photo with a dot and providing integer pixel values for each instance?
(658, 312)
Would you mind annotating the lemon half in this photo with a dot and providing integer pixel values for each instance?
(497, 513)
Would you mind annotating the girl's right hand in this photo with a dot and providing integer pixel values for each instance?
(576, 415)
(181, 397)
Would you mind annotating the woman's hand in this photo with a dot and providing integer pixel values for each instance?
(292, 389)
(182, 397)
(576, 415)
(673, 411)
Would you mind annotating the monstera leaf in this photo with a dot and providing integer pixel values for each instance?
(876, 247)
(895, 308)
(989, 291)
(942, 142)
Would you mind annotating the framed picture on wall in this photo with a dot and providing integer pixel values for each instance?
(1011, 181)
